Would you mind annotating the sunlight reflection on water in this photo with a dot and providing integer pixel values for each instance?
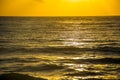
(61, 48)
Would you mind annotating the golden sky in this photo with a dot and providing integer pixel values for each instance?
(59, 7)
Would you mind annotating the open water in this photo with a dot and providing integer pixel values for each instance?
(61, 48)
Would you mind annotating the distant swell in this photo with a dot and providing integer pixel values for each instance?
(60, 49)
(23, 60)
(95, 61)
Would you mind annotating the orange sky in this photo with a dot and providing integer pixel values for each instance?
(59, 7)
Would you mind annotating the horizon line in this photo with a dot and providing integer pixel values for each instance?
(63, 16)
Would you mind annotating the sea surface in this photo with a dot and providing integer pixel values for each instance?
(61, 48)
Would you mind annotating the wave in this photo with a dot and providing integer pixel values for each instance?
(94, 61)
(35, 68)
(23, 60)
(85, 73)
(65, 49)
(16, 76)
(41, 68)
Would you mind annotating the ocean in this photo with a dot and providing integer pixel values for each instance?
(61, 48)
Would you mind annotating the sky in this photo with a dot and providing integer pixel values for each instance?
(59, 7)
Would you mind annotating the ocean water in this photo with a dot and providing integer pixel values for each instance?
(61, 48)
